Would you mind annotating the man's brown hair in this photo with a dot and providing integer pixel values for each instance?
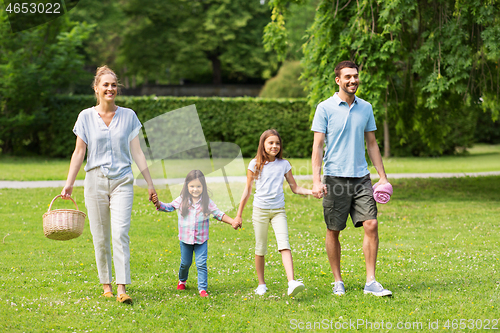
(345, 64)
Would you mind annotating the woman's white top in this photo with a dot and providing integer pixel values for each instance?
(269, 186)
(108, 147)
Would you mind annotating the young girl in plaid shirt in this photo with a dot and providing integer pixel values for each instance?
(194, 208)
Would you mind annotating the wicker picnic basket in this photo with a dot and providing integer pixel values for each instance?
(63, 224)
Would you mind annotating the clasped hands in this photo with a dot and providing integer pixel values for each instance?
(237, 222)
(154, 199)
(319, 190)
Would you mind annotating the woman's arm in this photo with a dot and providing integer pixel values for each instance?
(244, 197)
(140, 160)
(74, 167)
(294, 187)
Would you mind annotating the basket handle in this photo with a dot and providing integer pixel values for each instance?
(60, 196)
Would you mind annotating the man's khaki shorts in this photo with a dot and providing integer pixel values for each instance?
(346, 196)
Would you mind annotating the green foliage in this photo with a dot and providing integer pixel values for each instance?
(189, 39)
(111, 24)
(275, 32)
(422, 64)
(275, 36)
(300, 17)
(34, 64)
(237, 120)
(487, 130)
(424, 127)
(285, 83)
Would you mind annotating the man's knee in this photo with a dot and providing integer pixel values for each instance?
(370, 225)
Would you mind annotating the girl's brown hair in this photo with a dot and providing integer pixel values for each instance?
(186, 197)
(262, 157)
(103, 70)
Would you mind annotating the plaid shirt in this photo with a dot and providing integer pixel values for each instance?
(193, 228)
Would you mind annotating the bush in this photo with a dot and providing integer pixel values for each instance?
(286, 83)
(237, 120)
(487, 130)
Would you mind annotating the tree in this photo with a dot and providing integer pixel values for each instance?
(424, 64)
(189, 38)
(34, 65)
(299, 19)
(103, 47)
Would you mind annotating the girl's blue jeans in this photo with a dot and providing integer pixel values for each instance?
(201, 254)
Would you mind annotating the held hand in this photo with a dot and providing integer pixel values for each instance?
(151, 193)
(154, 198)
(319, 190)
(66, 192)
(235, 225)
(238, 221)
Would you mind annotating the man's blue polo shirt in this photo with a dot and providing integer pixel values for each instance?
(344, 130)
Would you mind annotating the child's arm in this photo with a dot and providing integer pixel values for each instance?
(218, 215)
(162, 206)
(294, 187)
(244, 198)
(230, 221)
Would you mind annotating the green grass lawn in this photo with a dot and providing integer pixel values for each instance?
(478, 159)
(438, 253)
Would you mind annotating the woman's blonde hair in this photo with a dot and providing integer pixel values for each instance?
(103, 70)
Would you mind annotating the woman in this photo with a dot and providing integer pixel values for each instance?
(110, 133)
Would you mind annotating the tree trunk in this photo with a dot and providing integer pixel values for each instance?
(124, 74)
(216, 69)
(387, 137)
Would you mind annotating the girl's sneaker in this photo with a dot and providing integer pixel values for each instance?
(295, 287)
(261, 289)
(203, 293)
(181, 285)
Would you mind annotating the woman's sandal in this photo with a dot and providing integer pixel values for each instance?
(124, 298)
(108, 294)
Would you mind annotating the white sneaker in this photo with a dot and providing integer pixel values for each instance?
(261, 289)
(376, 289)
(338, 288)
(295, 287)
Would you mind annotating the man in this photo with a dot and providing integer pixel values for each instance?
(344, 122)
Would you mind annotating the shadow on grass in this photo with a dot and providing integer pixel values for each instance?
(448, 189)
